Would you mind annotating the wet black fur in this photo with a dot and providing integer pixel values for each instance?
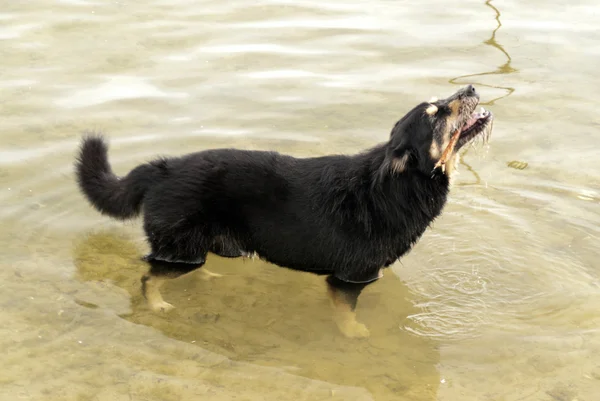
(345, 216)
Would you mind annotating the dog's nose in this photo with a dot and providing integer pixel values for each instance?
(470, 90)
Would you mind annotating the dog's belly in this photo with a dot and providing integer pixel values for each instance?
(228, 247)
(347, 260)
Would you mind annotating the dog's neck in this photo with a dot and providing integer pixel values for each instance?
(388, 202)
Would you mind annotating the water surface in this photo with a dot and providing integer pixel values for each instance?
(499, 301)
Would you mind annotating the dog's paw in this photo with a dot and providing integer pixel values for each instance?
(207, 275)
(162, 306)
(354, 329)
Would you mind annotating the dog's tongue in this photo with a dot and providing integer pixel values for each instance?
(470, 121)
(474, 117)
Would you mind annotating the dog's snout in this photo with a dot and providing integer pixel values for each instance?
(470, 90)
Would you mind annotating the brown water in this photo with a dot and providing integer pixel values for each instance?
(499, 301)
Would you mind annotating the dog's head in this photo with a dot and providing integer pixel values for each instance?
(423, 135)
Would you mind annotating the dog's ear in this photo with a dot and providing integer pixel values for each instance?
(400, 157)
(400, 154)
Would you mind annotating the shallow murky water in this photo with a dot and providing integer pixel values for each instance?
(499, 301)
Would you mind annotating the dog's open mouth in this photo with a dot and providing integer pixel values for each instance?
(475, 125)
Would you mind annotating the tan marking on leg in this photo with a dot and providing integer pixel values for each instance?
(207, 275)
(151, 288)
(345, 318)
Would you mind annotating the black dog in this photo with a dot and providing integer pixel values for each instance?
(346, 217)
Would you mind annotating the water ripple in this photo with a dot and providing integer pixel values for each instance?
(116, 88)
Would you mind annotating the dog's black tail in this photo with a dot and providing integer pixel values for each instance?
(118, 197)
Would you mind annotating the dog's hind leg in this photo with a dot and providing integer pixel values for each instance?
(160, 271)
(344, 296)
(207, 275)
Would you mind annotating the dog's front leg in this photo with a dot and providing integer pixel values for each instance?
(344, 297)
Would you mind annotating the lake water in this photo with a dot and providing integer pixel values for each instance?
(499, 301)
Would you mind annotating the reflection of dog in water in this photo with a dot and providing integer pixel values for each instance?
(346, 217)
